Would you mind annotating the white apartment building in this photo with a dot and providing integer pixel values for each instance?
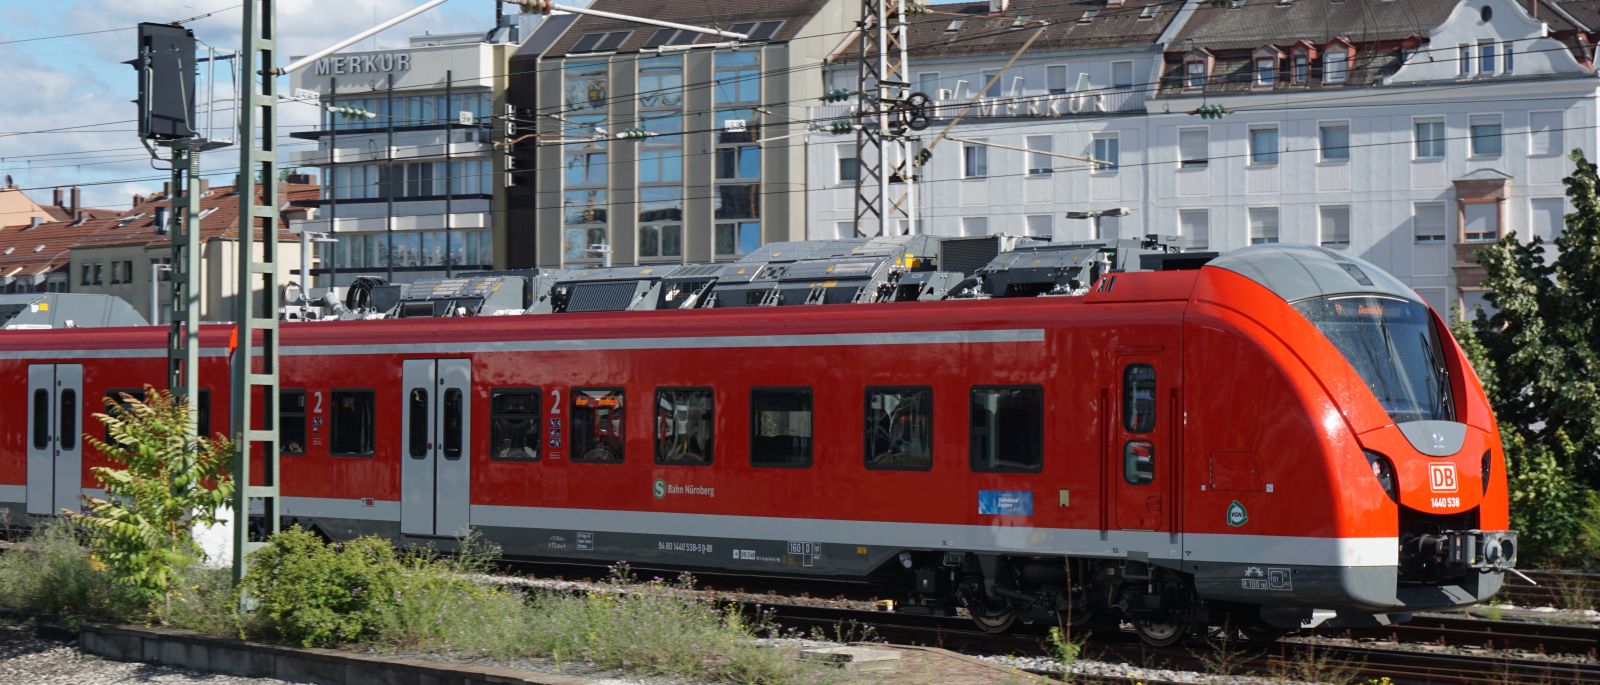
(1409, 133)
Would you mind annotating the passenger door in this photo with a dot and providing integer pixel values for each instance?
(55, 444)
(1142, 451)
(435, 482)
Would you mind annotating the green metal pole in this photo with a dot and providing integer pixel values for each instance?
(257, 155)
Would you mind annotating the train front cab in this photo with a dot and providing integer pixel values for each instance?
(1369, 479)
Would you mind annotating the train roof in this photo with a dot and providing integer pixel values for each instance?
(1298, 272)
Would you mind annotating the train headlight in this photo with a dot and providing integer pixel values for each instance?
(1383, 470)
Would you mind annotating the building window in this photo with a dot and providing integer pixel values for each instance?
(845, 229)
(1549, 218)
(1195, 227)
(658, 241)
(598, 423)
(974, 225)
(1040, 226)
(743, 161)
(899, 429)
(1486, 135)
(1194, 148)
(88, 274)
(1056, 78)
(1482, 222)
(352, 423)
(738, 238)
(1334, 226)
(1266, 71)
(1507, 66)
(1263, 225)
(1264, 145)
(1486, 57)
(928, 83)
(1335, 66)
(1464, 60)
(1194, 74)
(737, 201)
(849, 168)
(1040, 164)
(1544, 133)
(974, 160)
(780, 427)
(1006, 429)
(1302, 68)
(1429, 136)
(1122, 75)
(991, 84)
(1107, 153)
(1428, 223)
(683, 419)
(291, 421)
(1335, 140)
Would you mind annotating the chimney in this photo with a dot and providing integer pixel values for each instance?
(137, 199)
(57, 201)
(166, 188)
(205, 187)
(1533, 8)
(304, 179)
(77, 200)
(35, 221)
(998, 6)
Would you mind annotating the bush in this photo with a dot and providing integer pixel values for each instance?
(52, 573)
(439, 606)
(313, 594)
(204, 599)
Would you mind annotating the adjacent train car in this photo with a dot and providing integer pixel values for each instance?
(1285, 430)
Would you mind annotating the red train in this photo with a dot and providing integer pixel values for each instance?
(1287, 429)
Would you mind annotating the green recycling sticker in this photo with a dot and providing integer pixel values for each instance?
(1237, 515)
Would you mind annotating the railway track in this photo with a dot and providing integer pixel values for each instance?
(1297, 659)
(1560, 589)
(1455, 631)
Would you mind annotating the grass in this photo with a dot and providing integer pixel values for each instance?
(427, 604)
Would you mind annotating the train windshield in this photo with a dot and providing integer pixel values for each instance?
(1393, 346)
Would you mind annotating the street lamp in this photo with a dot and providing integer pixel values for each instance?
(1094, 218)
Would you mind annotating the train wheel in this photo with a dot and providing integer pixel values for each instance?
(993, 620)
(1160, 633)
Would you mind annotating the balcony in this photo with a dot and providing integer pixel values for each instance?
(368, 147)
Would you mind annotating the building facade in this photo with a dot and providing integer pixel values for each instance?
(412, 187)
(1408, 133)
(650, 145)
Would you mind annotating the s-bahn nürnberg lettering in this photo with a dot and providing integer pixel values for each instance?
(363, 64)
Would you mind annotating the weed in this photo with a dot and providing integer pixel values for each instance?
(1573, 591)
(1308, 663)
(1223, 655)
(205, 600)
(1064, 646)
(54, 574)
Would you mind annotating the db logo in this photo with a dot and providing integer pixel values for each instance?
(1442, 477)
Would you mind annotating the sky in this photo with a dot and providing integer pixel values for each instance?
(79, 81)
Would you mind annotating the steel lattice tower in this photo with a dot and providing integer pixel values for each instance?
(884, 187)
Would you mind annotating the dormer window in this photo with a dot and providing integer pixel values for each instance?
(1300, 57)
(1196, 69)
(1265, 63)
(1336, 61)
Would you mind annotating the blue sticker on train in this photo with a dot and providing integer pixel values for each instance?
(1005, 502)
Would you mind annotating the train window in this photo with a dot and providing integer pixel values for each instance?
(1007, 429)
(453, 411)
(780, 427)
(69, 419)
(1138, 462)
(417, 424)
(683, 426)
(41, 419)
(899, 428)
(204, 427)
(514, 425)
(597, 425)
(292, 421)
(115, 397)
(1139, 398)
(352, 430)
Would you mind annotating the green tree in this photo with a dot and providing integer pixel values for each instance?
(159, 489)
(1539, 357)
